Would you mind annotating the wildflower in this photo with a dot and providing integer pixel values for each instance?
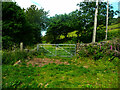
(100, 46)
(111, 47)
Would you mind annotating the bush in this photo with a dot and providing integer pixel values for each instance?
(98, 53)
(97, 56)
(83, 53)
(11, 57)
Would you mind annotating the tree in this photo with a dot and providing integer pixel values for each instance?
(20, 25)
(13, 21)
(58, 25)
(82, 21)
(38, 19)
(88, 9)
(107, 19)
(95, 23)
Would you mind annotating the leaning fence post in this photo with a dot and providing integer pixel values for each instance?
(75, 49)
(37, 47)
(56, 50)
(21, 46)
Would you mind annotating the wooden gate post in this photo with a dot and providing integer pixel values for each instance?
(38, 47)
(77, 48)
(21, 46)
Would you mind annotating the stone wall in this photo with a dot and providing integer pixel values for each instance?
(109, 45)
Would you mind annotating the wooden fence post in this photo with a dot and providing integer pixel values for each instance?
(37, 47)
(21, 46)
(77, 48)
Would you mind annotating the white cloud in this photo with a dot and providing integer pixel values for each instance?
(54, 6)
(24, 3)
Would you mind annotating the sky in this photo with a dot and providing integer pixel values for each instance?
(57, 6)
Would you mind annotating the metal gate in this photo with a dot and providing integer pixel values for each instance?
(62, 50)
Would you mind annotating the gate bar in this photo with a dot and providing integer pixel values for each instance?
(56, 44)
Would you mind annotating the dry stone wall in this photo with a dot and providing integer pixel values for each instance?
(112, 46)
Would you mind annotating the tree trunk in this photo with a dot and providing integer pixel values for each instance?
(95, 23)
(107, 20)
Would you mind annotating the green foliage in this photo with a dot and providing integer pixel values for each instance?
(58, 25)
(112, 34)
(37, 18)
(114, 26)
(98, 55)
(81, 21)
(99, 74)
(13, 19)
(97, 52)
(83, 53)
(10, 57)
(20, 25)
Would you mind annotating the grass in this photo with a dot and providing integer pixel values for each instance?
(114, 26)
(81, 73)
(113, 33)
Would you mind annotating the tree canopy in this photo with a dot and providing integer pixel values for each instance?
(25, 25)
(20, 25)
(80, 20)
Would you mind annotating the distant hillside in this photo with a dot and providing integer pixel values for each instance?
(114, 31)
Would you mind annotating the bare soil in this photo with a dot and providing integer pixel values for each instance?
(44, 61)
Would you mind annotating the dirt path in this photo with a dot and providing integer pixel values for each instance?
(44, 61)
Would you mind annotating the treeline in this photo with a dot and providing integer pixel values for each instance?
(25, 25)
(80, 23)
(22, 25)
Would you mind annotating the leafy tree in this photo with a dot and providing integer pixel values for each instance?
(38, 20)
(82, 21)
(58, 25)
(20, 25)
(13, 21)
(87, 12)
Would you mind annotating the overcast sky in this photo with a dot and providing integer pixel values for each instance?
(57, 6)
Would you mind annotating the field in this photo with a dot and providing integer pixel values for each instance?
(43, 51)
(75, 73)
(88, 69)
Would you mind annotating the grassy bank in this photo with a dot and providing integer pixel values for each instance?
(80, 73)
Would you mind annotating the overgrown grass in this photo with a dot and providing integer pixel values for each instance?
(81, 73)
(10, 57)
(114, 26)
(113, 33)
(92, 68)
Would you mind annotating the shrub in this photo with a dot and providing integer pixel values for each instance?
(11, 57)
(90, 50)
(98, 55)
(83, 53)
